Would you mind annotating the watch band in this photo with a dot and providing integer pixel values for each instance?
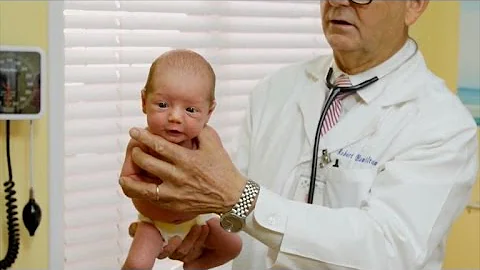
(244, 205)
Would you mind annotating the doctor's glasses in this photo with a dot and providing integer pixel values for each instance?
(358, 2)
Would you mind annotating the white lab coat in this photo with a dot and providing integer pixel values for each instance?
(407, 162)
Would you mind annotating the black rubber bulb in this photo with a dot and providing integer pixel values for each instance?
(32, 214)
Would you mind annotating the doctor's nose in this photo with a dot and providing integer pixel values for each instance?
(175, 115)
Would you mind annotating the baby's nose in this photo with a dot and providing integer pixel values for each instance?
(175, 115)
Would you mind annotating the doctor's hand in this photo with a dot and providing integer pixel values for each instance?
(210, 248)
(204, 247)
(218, 248)
(197, 181)
(186, 250)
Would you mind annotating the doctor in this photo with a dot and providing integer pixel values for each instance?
(395, 165)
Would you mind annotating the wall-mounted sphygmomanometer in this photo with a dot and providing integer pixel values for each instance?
(22, 97)
(21, 73)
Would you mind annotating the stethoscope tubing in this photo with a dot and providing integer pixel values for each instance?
(334, 92)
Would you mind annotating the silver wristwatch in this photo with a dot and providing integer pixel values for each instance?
(234, 220)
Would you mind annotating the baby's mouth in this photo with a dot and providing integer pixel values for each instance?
(174, 132)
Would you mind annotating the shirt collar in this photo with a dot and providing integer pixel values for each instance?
(387, 67)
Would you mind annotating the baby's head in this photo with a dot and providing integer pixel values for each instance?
(179, 96)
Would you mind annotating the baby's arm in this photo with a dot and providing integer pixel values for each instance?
(147, 244)
(129, 168)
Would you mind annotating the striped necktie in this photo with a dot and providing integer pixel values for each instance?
(333, 113)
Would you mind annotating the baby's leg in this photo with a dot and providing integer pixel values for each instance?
(146, 245)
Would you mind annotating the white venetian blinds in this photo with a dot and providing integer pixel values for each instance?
(109, 46)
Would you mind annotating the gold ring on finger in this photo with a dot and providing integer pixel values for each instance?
(157, 193)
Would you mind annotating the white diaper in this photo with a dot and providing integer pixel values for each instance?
(169, 230)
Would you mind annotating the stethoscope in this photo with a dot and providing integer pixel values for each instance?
(334, 92)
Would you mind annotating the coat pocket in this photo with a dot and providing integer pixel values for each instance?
(347, 187)
(303, 186)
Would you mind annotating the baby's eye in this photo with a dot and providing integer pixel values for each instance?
(162, 104)
(192, 110)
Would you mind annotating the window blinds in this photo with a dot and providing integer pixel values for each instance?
(109, 46)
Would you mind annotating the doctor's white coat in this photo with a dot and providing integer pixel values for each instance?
(407, 160)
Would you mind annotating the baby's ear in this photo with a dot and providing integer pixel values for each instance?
(144, 100)
(212, 108)
(210, 111)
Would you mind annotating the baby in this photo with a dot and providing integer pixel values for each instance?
(178, 100)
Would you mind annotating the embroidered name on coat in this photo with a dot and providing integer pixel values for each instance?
(357, 157)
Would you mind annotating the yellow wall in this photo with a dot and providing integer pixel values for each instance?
(25, 23)
(437, 34)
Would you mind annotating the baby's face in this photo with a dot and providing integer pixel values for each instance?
(177, 107)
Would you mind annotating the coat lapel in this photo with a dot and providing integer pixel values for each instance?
(310, 104)
(355, 125)
(359, 123)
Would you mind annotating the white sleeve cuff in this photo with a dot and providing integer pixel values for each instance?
(265, 223)
(270, 211)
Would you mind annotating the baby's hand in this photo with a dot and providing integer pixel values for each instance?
(129, 168)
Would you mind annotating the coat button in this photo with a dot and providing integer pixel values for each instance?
(272, 220)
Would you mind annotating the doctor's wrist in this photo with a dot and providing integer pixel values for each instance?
(246, 200)
(233, 194)
(234, 220)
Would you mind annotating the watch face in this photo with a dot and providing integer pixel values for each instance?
(231, 223)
